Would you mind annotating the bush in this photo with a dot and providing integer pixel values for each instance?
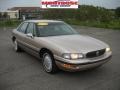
(9, 23)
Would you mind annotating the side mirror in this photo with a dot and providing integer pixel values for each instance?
(29, 35)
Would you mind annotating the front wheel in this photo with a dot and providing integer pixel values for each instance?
(16, 47)
(49, 64)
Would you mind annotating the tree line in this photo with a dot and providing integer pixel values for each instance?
(3, 15)
(83, 13)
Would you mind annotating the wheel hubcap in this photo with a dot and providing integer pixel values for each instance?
(47, 62)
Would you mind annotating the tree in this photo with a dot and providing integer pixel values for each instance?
(5, 15)
(117, 12)
(83, 13)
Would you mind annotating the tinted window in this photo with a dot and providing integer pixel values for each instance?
(55, 29)
(23, 27)
(34, 31)
(30, 28)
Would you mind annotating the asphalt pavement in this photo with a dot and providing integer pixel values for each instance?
(21, 71)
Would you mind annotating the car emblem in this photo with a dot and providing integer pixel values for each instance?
(97, 53)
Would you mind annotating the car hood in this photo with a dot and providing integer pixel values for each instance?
(76, 43)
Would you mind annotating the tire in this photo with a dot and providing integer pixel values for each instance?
(48, 63)
(16, 47)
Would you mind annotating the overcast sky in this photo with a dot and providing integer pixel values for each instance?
(5, 4)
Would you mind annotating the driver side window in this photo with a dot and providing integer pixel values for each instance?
(23, 27)
(30, 28)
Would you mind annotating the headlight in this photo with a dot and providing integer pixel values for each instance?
(73, 56)
(108, 49)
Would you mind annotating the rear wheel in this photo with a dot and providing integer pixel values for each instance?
(49, 64)
(16, 47)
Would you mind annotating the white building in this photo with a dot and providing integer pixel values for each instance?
(13, 14)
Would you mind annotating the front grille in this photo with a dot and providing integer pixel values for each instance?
(95, 53)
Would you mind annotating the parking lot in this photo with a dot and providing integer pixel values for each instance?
(21, 71)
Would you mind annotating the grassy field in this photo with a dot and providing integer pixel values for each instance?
(9, 23)
(115, 24)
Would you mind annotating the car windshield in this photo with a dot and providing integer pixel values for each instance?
(54, 29)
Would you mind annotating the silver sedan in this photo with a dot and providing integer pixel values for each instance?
(59, 46)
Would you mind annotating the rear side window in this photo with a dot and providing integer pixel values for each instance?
(23, 27)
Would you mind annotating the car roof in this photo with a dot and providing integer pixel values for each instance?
(48, 21)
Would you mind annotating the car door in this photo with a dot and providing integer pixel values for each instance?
(20, 34)
(30, 39)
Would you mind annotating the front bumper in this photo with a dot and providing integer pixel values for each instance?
(83, 64)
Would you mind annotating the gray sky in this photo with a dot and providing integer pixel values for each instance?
(5, 4)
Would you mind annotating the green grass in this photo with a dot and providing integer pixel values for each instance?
(114, 24)
(9, 23)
